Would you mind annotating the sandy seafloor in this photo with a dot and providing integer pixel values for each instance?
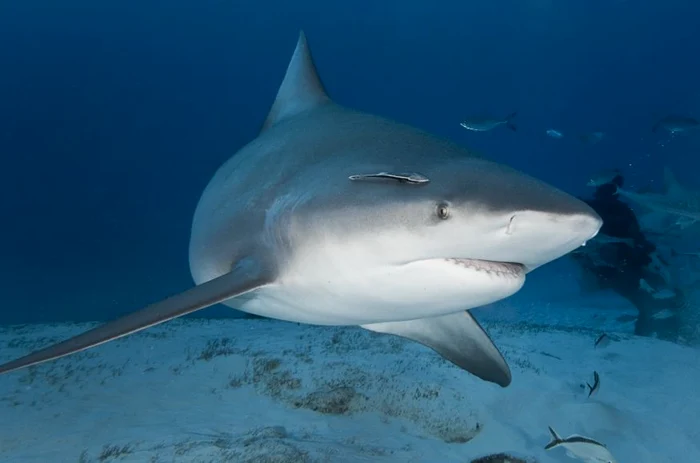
(268, 391)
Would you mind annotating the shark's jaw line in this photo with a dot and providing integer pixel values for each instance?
(501, 269)
(360, 295)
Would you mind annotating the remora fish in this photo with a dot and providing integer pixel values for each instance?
(483, 124)
(332, 216)
(581, 448)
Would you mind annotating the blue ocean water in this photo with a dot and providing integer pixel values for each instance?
(114, 115)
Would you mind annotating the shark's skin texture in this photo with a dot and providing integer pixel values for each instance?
(336, 217)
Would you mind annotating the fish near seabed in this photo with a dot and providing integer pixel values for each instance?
(601, 341)
(581, 448)
(332, 216)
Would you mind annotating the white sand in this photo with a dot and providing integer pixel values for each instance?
(268, 391)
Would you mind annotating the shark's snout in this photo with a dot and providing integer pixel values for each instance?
(538, 237)
(581, 225)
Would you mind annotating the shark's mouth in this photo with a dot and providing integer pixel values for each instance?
(501, 269)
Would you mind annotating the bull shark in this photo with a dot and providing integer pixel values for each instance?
(675, 200)
(332, 216)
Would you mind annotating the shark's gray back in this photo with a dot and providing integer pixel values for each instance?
(306, 158)
(298, 168)
(270, 195)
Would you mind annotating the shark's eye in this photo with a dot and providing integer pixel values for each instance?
(443, 212)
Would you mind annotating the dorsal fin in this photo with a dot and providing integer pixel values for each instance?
(301, 88)
(673, 188)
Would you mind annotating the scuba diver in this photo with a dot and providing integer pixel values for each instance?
(620, 258)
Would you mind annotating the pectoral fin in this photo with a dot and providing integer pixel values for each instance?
(458, 338)
(241, 280)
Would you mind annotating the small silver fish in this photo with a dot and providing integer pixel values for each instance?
(602, 177)
(581, 448)
(554, 133)
(663, 314)
(602, 341)
(664, 294)
(483, 124)
(644, 286)
(676, 124)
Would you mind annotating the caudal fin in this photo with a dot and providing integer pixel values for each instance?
(556, 440)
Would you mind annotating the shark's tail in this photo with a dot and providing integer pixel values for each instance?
(509, 121)
(556, 440)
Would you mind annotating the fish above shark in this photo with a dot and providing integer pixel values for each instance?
(332, 216)
(484, 124)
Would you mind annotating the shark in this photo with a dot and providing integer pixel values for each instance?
(676, 200)
(676, 124)
(332, 216)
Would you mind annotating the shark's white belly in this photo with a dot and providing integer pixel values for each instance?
(388, 293)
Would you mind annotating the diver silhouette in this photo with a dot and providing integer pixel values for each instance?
(627, 263)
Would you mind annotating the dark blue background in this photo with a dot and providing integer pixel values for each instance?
(115, 114)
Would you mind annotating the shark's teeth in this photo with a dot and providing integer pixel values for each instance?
(502, 269)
